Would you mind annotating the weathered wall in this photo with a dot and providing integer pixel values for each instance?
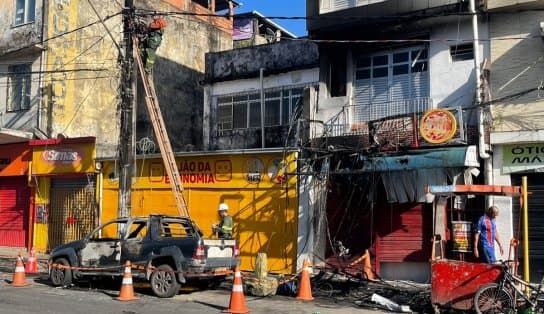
(82, 82)
(18, 46)
(276, 58)
(83, 95)
(16, 37)
(178, 72)
(516, 65)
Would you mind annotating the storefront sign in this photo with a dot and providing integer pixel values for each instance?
(523, 157)
(62, 158)
(438, 126)
(462, 236)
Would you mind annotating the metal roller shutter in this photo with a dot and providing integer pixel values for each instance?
(73, 211)
(536, 223)
(404, 231)
(14, 210)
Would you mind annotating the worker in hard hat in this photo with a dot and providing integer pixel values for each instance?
(152, 42)
(224, 228)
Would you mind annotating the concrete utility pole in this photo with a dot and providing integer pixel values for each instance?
(126, 136)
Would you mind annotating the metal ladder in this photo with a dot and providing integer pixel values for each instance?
(167, 153)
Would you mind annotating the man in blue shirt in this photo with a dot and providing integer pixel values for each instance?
(486, 236)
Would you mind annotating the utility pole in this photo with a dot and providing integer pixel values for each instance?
(126, 135)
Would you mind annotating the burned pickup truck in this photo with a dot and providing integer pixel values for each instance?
(171, 249)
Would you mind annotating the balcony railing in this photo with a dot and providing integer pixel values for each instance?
(363, 113)
(341, 124)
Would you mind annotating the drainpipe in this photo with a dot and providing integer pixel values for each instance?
(41, 79)
(482, 145)
(261, 76)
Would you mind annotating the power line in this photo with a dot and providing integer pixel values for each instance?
(55, 71)
(65, 79)
(411, 15)
(414, 40)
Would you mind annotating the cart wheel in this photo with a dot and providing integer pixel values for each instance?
(491, 299)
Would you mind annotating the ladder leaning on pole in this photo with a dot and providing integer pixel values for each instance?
(167, 153)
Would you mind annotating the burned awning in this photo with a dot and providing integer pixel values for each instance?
(406, 176)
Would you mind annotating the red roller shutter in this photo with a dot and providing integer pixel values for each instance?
(14, 207)
(404, 233)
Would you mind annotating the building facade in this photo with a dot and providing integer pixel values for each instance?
(60, 79)
(516, 128)
(263, 98)
(390, 73)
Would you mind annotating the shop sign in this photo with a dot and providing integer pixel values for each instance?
(438, 126)
(523, 157)
(462, 235)
(63, 158)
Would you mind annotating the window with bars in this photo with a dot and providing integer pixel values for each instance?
(389, 83)
(244, 110)
(19, 87)
(25, 11)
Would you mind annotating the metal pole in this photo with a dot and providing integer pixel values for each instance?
(525, 227)
(126, 139)
(261, 75)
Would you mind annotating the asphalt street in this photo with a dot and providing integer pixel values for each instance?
(40, 297)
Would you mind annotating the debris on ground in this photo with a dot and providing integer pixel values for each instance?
(345, 288)
(390, 305)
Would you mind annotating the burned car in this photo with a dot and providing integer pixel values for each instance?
(170, 251)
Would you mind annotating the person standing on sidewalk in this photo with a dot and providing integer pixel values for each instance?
(486, 236)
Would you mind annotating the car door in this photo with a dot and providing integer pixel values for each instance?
(136, 236)
(102, 247)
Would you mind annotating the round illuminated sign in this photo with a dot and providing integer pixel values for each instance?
(438, 126)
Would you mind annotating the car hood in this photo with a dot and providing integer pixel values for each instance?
(76, 245)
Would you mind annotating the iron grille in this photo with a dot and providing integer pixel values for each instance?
(73, 211)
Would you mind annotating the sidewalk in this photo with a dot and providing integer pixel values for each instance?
(8, 258)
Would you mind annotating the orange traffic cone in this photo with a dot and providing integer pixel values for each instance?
(127, 290)
(304, 286)
(31, 266)
(19, 277)
(237, 300)
(367, 267)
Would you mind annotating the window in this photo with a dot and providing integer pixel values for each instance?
(110, 232)
(244, 111)
(19, 87)
(462, 52)
(137, 230)
(24, 11)
(390, 83)
(176, 229)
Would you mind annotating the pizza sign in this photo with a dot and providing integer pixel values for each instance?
(438, 126)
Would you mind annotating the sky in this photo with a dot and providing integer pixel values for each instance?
(279, 8)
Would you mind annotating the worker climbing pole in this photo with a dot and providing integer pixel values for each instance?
(145, 52)
(142, 43)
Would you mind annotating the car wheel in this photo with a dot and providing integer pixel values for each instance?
(61, 276)
(163, 282)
